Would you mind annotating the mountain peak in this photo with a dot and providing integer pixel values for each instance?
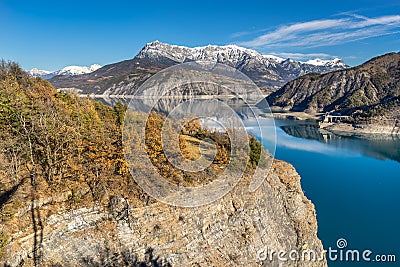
(77, 70)
(69, 70)
(37, 72)
(326, 62)
(231, 54)
(223, 54)
(274, 58)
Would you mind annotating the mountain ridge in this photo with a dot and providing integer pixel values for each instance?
(215, 52)
(366, 91)
(123, 78)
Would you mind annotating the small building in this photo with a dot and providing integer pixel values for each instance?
(331, 118)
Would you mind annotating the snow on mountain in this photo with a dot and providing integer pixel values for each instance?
(70, 71)
(326, 62)
(78, 70)
(231, 54)
(267, 71)
(275, 58)
(35, 72)
(223, 54)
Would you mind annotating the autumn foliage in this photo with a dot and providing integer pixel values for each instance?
(57, 142)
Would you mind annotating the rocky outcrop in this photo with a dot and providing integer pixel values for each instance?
(229, 232)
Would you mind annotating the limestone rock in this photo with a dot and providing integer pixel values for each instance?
(228, 232)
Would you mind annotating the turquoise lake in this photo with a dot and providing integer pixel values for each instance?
(354, 184)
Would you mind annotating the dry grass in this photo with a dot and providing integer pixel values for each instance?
(191, 147)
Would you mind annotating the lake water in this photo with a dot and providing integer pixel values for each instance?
(354, 184)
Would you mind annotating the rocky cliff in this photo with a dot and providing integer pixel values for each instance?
(230, 231)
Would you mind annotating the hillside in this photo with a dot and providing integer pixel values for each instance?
(123, 78)
(370, 91)
(68, 199)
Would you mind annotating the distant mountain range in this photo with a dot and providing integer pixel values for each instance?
(69, 71)
(232, 55)
(123, 78)
(371, 90)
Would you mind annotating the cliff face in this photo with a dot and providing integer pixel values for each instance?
(228, 232)
(370, 90)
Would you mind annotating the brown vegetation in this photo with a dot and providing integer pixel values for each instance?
(59, 151)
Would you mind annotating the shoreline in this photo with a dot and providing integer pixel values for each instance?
(340, 128)
(362, 130)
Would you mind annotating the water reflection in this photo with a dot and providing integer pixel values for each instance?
(380, 148)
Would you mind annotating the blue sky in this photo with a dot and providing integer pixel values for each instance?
(53, 34)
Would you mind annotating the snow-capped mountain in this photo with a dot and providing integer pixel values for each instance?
(78, 70)
(336, 62)
(269, 72)
(274, 58)
(233, 54)
(40, 73)
(70, 71)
